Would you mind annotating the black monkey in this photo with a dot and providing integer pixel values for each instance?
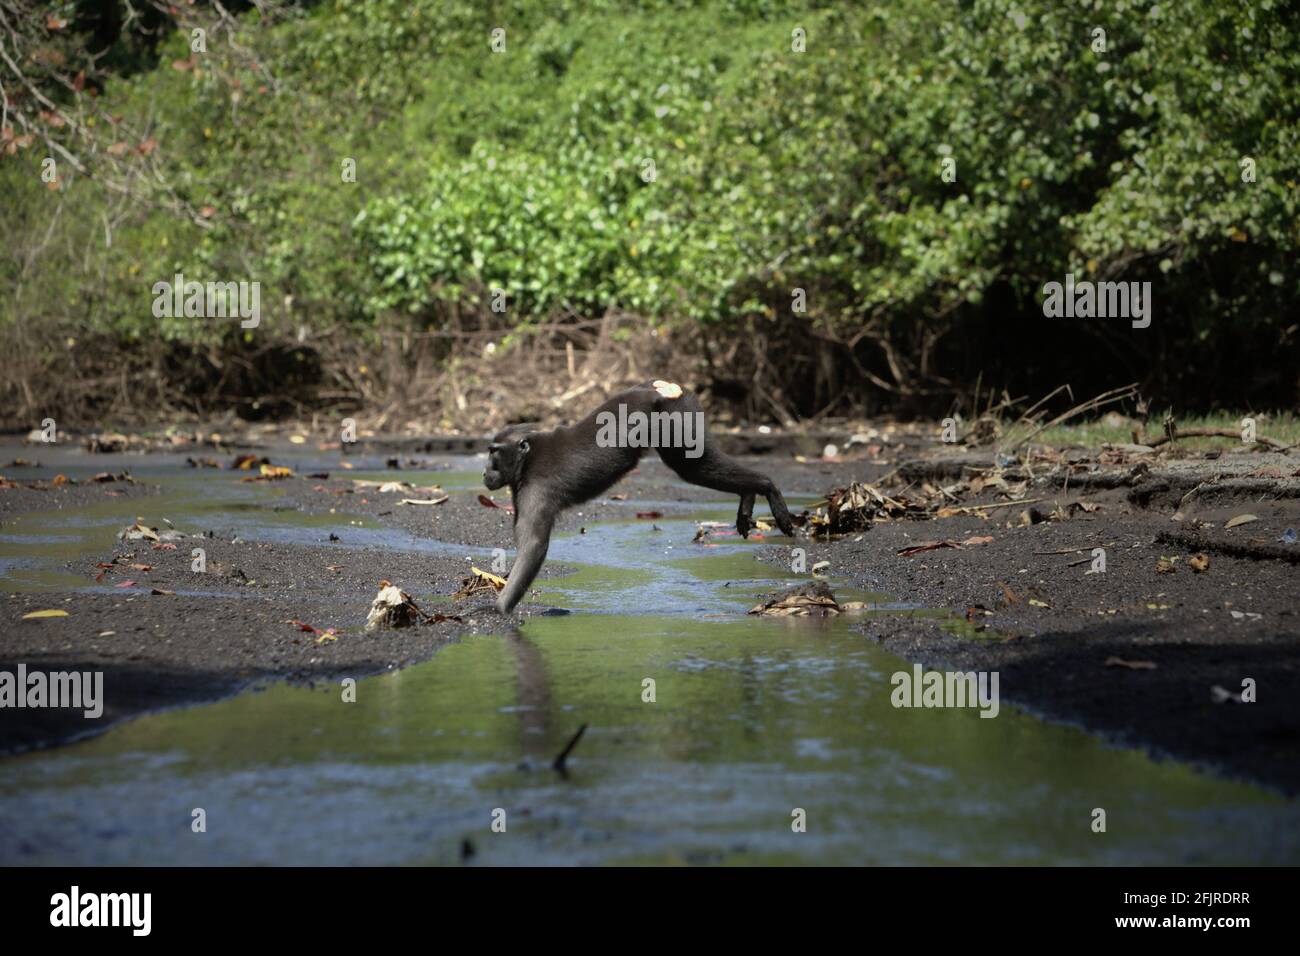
(548, 471)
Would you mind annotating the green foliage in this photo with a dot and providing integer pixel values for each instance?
(775, 170)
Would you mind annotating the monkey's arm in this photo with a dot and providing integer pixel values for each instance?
(532, 540)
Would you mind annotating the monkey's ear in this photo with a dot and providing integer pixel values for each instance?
(523, 446)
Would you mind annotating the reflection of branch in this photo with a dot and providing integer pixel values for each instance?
(564, 754)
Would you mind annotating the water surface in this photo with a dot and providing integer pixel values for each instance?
(752, 721)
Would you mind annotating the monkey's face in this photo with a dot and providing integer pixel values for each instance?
(505, 463)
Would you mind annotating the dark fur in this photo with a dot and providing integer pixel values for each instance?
(550, 471)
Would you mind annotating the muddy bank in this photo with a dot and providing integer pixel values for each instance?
(1145, 652)
(21, 495)
(225, 629)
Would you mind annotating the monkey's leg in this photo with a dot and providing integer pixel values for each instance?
(532, 540)
(745, 516)
(713, 469)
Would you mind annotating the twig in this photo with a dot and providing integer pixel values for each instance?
(1001, 504)
(1214, 433)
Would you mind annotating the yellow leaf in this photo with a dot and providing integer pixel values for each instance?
(38, 614)
(499, 582)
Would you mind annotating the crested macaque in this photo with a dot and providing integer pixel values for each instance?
(549, 471)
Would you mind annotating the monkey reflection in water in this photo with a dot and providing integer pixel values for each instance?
(549, 471)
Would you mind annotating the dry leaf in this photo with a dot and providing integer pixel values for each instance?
(137, 531)
(392, 607)
(477, 582)
(809, 600)
(1240, 520)
(35, 615)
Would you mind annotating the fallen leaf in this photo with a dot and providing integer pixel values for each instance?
(1240, 520)
(497, 582)
(809, 600)
(137, 531)
(34, 615)
(392, 607)
(478, 582)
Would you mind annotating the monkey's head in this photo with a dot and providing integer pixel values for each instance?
(507, 456)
